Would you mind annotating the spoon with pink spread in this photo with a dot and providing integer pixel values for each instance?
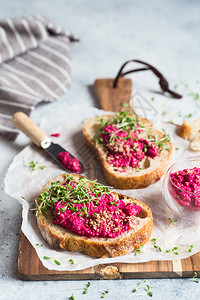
(41, 139)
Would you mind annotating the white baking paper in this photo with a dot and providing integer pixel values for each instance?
(21, 181)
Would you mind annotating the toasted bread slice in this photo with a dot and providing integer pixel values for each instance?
(130, 178)
(128, 241)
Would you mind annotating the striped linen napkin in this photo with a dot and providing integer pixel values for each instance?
(34, 66)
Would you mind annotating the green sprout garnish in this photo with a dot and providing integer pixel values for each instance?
(70, 195)
(104, 294)
(86, 289)
(194, 278)
(139, 251)
(34, 165)
(72, 261)
(48, 258)
(191, 248)
(145, 287)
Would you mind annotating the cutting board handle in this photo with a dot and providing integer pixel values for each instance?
(30, 129)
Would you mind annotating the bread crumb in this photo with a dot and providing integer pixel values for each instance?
(110, 272)
(191, 131)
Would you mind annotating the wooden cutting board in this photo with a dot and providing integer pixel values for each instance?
(31, 268)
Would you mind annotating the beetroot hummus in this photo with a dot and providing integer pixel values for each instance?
(184, 187)
(124, 147)
(91, 212)
(71, 164)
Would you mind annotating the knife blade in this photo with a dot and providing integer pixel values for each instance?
(41, 139)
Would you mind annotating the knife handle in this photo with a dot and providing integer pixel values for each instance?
(30, 129)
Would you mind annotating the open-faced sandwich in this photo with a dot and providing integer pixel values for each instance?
(77, 214)
(133, 154)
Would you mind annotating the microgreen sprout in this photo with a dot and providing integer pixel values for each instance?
(173, 250)
(145, 287)
(55, 261)
(195, 96)
(72, 297)
(139, 251)
(105, 293)
(38, 245)
(172, 221)
(46, 257)
(194, 278)
(158, 246)
(191, 248)
(71, 261)
(86, 289)
(34, 165)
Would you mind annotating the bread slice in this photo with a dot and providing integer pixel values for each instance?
(60, 237)
(190, 130)
(131, 178)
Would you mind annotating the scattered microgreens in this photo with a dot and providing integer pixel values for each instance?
(158, 246)
(194, 278)
(34, 165)
(195, 96)
(72, 261)
(164, 113)
(57, 262)
(72, 297)
(86, 289)
(104, 294)
(152, 99)
(172, 221)
(179, 114)
(191, 248)
(188, 116)
(48, 258)
(177, 148)
(139, 251)
(171, 122)
(145, 287)
(38, 245)
(173, 250)
(175, 86)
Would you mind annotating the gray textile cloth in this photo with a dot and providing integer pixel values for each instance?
(34, 66)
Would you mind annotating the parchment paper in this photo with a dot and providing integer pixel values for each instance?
(21, 181)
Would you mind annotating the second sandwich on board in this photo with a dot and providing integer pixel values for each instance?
(133, 153)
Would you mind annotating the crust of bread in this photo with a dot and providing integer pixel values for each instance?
(59, 237)
(138, 180)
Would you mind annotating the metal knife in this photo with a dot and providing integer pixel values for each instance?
(40, 138)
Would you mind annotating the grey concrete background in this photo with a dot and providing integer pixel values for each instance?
(164, 33)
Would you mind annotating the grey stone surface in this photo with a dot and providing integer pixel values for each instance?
(165, 33)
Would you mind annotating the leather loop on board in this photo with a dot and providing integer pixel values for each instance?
(163, 82)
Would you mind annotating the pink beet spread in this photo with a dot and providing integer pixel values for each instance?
(102, 217)
(124, 150)
(72, 164)
(184, 187)
(55, 134)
